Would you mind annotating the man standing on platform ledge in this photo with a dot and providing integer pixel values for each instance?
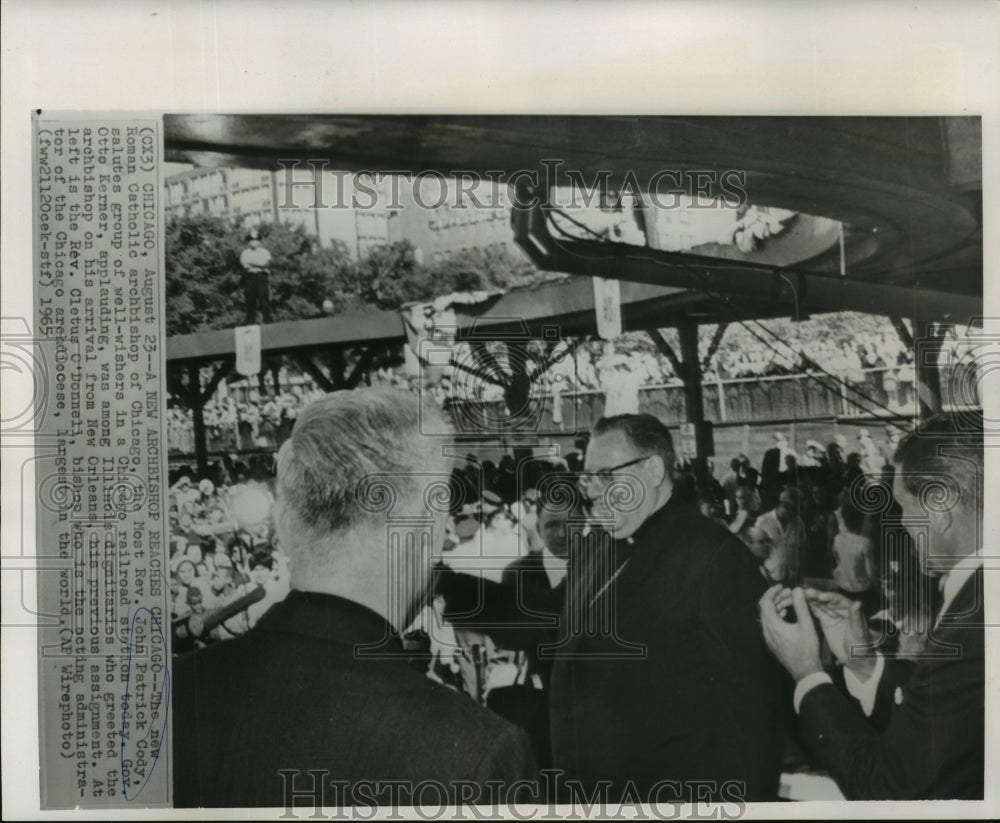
(675, 690)
(910, 732)
(320, 691)
(256, 262)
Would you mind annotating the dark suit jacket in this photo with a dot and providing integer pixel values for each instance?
(293, 694)
(932, 746)
(770, 468)
(705, 701)
(537, 600)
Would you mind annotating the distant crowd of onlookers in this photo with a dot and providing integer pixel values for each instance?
(871, 360)
(223, 561)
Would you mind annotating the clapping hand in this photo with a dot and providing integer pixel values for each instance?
(845, 628)
(796, 645)
(782, 599)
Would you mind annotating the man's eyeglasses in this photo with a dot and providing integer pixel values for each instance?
(602, 477)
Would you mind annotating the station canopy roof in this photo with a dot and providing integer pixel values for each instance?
(907, 192)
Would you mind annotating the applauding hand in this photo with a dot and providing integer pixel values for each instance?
(845, 628)
(796, 645)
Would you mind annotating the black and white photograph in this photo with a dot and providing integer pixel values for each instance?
(499, 410)
(643, 450)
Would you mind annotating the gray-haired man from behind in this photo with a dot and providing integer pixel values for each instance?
(296, 708)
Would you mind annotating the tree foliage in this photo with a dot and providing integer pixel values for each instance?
(204, 277)
(202, 269)
(483, 268)
(392, 276)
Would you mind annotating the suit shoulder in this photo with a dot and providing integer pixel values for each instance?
(525, 563)
(223, 656)
(464, 733)
(721, 557)
(442, 705)
(708, 541)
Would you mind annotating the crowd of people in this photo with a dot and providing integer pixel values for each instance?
(246, 418)
(801, 516)
(680, 680)
(748, 352)
(244, 422)
(811, 517)
(862, 343)
(876, 366)
(225, 570)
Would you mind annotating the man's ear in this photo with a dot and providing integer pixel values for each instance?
(945, 520)
(657, 469)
